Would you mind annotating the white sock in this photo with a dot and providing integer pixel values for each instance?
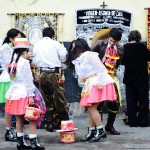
(19, 134)
(91, 128)
(7, 128)
(31, 136)
(34, 136)
(99, 127)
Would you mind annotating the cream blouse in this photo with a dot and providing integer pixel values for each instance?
(89, 64)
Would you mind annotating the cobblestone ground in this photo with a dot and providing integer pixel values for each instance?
(130, 139)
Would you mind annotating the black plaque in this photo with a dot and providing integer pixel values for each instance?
(98, 16)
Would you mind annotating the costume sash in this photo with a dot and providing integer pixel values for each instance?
(110, 60)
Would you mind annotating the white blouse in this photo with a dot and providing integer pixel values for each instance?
(5, 57)
(49, 53)
(89, 64)
(23, 85)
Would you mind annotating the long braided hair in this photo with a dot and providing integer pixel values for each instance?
(12, 66)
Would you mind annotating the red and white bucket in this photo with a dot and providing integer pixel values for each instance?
(67, 137)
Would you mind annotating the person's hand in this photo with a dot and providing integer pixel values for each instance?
(30, 55)
(82, 79)
(31, 100)
(99, 86)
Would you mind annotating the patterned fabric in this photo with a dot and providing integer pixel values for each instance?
(91, 94)
(52, 93)
(110, 60)
(38, 99)
(118, 90)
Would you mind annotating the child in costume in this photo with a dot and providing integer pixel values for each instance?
(5, 57)
(21, 93)
(97, 86)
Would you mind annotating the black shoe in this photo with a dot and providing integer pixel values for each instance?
(89, 136)
(35, 145)
(99, 135)
(26, 136)
(111, 130)
(21, 145)
(9, 135)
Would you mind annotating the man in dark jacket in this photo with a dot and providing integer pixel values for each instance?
(110, 53)
(135, 59)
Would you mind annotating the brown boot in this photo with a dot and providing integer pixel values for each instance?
(109, 128)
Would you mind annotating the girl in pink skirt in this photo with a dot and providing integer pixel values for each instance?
(21, 93)
(97, 86)
(5, 57)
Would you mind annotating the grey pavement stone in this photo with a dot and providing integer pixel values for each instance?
(130, 138)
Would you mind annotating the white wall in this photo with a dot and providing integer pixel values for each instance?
(136, 7)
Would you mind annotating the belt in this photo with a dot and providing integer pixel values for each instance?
(56, 70)
(93, 75)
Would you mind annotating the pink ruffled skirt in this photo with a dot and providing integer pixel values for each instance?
(16, 107)
(96, 95)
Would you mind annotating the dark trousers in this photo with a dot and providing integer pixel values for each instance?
(137, 97)
(52, 93)
(112, 106)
